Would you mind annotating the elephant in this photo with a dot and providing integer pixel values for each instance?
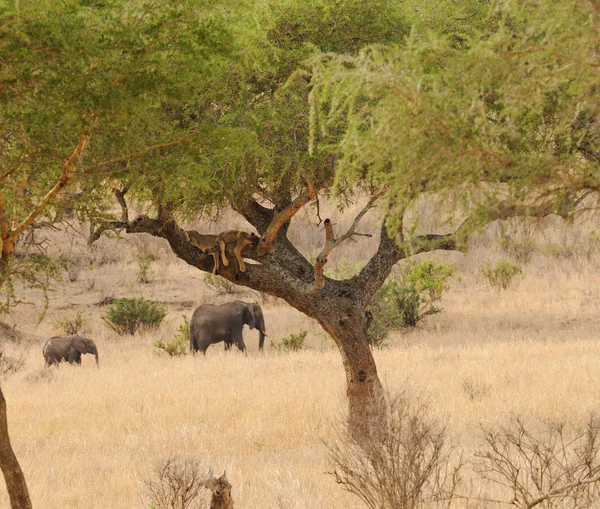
(58, 349)
(213, 324)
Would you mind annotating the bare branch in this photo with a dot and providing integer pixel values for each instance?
(281, 217)
(331, 242)
(558, 491)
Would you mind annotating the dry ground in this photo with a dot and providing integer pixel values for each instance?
(86, 438)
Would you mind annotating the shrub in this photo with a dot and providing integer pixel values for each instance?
(405, 302)
(179, 344)
(10, 365)
(501, 274)
(72, 326)
(143, 275)
(176, 484)
(408, 464)
(127, 316)
(291, 343)
(555, 465)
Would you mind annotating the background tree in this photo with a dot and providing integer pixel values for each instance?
(83, 89)
(82, 95)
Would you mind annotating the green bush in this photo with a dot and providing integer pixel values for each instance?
(179, 344)
(143, 275)
(291, 343)
(502, 273)
(402, 303)
(127, 316)
(72, 326)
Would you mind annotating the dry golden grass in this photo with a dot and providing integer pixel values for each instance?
(87, 437)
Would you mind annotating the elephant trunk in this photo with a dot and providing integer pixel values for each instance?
(261, 339)
(97, 361)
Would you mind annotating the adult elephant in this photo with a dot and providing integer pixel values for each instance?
(213, 324)
(68, 349)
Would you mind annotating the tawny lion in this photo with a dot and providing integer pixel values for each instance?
(242, 239)
(205, 243)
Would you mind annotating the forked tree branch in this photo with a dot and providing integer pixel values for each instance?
(331, 242)
(104, 226)
(281, 217)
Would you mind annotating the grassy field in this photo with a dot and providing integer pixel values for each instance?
(87, 438)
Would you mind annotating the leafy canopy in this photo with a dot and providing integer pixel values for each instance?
(511, 98)
(111, 71)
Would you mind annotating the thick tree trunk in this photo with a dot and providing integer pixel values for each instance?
(13, 475)
(348, 328)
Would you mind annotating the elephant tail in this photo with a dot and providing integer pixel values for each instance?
(44, 348)
(261, 340)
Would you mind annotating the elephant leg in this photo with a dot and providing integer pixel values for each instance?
(203, 347)
(241, 345)
(74, 357)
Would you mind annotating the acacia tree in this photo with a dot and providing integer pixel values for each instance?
(82, 94)
(498, 107)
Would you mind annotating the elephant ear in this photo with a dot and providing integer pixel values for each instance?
(249, 316)
(78, 344)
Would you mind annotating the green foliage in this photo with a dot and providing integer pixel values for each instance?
(504, 107)
(37, 272)
(291, 343)
(179, 344)
(501, 274)
(143, 275)
(128, 316)
(72, 325)
(91, 88)
(402, 303)
(343, 26)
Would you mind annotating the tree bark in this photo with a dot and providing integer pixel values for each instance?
(13, 475)
(347, 325)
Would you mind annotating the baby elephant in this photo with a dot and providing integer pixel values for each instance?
(58, 349)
